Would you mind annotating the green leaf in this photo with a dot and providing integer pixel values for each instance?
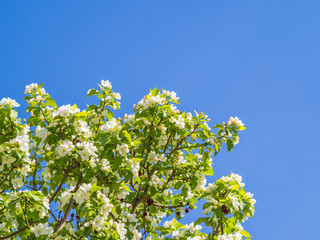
(229, 145)
(245, 233)
(184, 191)
(82, 114)
(127, 136)
(218, 212)
(194, 182)
(207, 133)
(155, 92)
(136, 159)
(200, 220)
(92, 92)
(50, 102)
(109, 114)
(86, 173)
(190, 156)
(205, 157)
(218, 126)
(178, 185)
(45, 191)
(153, 190)
(95, 188)
(209, 171)
(153, 209)
(174, 101)
(117, 163)
(241, 128)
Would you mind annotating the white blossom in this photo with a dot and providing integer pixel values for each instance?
(64, 148)
(41, 229)
(65, 111)
(98, 223)
(235, 121)
(123, 149)
(106, 84)
(111, 126)
(9, 102)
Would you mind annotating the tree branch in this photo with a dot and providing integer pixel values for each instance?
(169, 207)
(66, 215)
(16, 233)
(60, 185)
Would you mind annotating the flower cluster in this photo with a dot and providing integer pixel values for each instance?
(92, 175)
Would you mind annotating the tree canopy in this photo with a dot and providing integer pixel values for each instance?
(72, 174)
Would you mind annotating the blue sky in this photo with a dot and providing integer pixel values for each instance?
(258, 60)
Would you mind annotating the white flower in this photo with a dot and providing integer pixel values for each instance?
(120, 227)
(163, 129)
(136, 234)
(70, 228)
(42, 132)
(129, 118)
(106, 84)
(152, 158)
(81, 195)
(65, 111)
(98, 223)
(17, 182)
(135, 166)
(46, 174)
(236, 178)
(106, 207)
(235, 121)
(82, 127)
(201, 181)
(235, 202)
(236, 140)
(23, 142)
(116, 95)
(131, 217)
(30, 87)
(111, 126)
(105, 165)
(84, 153)
(149, 101)
(42, 229)
(7, 160)
(168, 224)
(162, 158)
(88, 150)
(24, 171)
(9, 102)
(178, 122)
(163, 140)
(65, 197)
(156, 181)
(2, 226)
(123, 149)
(171, 94)
(65, 147)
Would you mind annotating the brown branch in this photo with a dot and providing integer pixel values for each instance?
(66, 215)
(182, 139)
(44, 116)
(165, 148)
(60, 185)
(136, 204)
(16, 233)
(53, 215)
(34, 176)
(169, 207)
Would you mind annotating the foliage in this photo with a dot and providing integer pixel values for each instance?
(71, 174)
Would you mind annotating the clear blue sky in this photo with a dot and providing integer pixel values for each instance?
(258, 60)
